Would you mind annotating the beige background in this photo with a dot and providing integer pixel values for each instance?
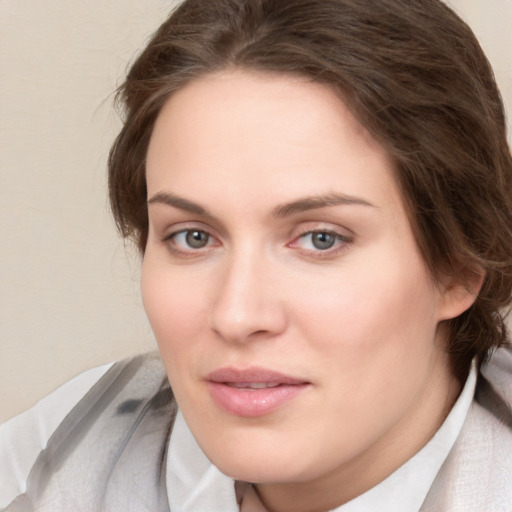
(70, 298)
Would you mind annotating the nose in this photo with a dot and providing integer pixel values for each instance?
(248, 304)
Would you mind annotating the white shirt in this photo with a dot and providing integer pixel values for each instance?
(199, 486)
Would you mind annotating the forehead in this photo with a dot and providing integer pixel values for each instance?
(256, 134)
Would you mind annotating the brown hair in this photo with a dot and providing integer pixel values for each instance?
(413, 74)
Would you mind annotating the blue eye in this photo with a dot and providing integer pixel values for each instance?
(323, 241)
(320, 240)
(192, 239)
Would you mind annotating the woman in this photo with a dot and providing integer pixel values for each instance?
(321, 192)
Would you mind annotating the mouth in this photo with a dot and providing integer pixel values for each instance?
(253, 392)
(252, 385)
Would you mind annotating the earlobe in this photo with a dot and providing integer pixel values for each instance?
(459, 293)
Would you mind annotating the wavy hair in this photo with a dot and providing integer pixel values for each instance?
(413, 74)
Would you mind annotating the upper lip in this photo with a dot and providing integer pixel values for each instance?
(253, 374)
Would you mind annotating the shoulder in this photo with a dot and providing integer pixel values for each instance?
(477, 475)
(70, 421)
(495, 385)
(23, 437)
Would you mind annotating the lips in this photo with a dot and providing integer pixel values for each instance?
(253, 392)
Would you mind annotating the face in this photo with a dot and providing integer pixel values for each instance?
(294, 314)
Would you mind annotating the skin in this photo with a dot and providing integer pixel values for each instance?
(361, 321)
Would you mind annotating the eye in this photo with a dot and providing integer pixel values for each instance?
(191, 239)
(321, 241)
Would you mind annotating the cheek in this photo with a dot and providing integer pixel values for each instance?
(172, 304)
(372, 337)
(177, 316)
(370, 317)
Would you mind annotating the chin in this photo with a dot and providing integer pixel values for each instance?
(262, 466)
(266, 473)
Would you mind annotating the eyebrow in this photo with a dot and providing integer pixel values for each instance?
(317, 202)
(178, 202)
(284, 210)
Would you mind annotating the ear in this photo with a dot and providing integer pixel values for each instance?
(460, 292)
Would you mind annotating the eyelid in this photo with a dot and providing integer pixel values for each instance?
(174, 231)
(344, 238)
(179, 227)
(322, 227)
(336, 234)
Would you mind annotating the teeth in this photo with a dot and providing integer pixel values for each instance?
(253, 385)
(263, 385)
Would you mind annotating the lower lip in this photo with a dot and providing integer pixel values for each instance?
(252, 403)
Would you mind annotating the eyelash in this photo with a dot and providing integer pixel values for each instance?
(340, 243)
(170, 241)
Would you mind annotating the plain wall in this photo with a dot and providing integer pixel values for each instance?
(70, 294)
